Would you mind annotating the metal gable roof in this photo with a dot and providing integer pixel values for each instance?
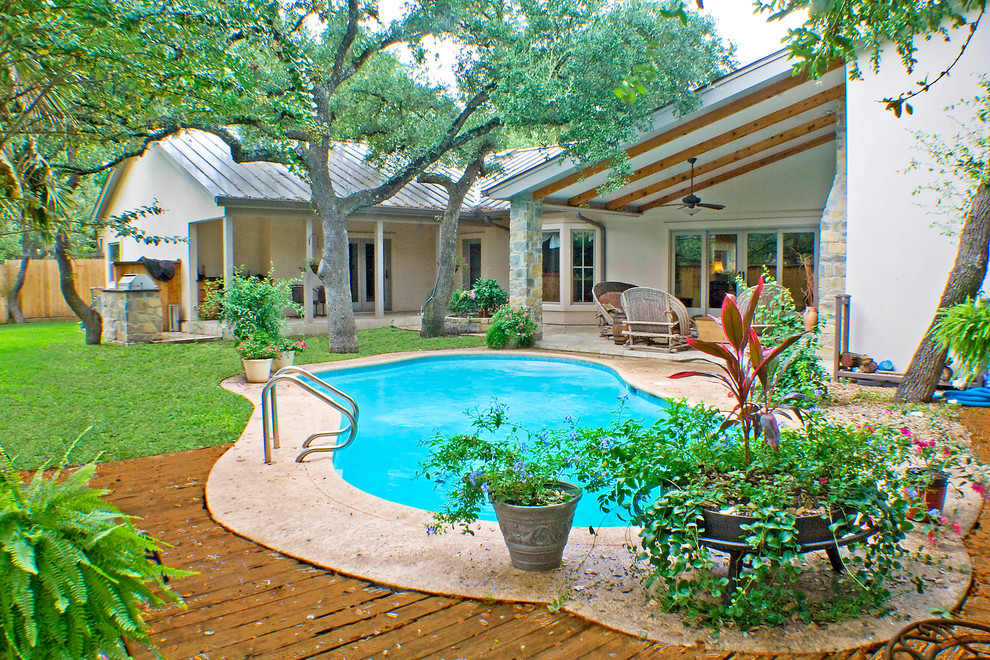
(207, 159)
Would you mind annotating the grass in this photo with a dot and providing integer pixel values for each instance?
(136, 400)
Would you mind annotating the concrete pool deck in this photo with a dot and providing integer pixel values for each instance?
(307, 511)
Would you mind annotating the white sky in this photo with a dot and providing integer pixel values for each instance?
(735, 21)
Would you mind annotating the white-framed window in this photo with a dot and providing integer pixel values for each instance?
(571, 254)
(582, 265)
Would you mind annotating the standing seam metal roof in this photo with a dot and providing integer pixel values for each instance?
(207, 159)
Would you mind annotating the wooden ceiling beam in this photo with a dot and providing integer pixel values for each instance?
(739, 171)
(783, 137)
(682, 129)
(758, 124)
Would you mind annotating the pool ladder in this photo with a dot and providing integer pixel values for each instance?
(318, 388)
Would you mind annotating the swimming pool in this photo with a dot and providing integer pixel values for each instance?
(405, 401)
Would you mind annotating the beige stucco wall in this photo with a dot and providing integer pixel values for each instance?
(155, 178)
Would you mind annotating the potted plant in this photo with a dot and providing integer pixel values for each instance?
(696, 482)
(257, 353)
(312, 264)
(287, 350)
(521, 475)
(964, 330)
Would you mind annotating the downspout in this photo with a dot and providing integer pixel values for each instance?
(599, 225)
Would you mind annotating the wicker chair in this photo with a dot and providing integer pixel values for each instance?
(655, 316)
(772, 293)
(612, 292)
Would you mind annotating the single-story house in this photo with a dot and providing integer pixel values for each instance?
(813, 175)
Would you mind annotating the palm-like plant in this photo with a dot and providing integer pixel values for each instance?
(745, 365)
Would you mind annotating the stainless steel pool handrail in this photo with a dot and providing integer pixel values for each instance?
(312, 384)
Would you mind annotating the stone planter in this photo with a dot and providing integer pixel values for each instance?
(462, 325)
(536, 535)
(257, 371)
(284, 359)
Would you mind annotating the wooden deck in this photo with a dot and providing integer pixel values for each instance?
(249, 602)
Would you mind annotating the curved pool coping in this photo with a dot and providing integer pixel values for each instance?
(363, 536)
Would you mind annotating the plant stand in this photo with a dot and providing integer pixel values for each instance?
(724, 532)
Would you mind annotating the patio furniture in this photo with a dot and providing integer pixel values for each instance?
(931, 638)
(319, 297)
(608, 299)
(655, 316)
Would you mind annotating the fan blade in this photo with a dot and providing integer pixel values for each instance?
(717, 207)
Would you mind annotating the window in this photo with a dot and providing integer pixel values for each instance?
(472, 257)
(551, 266)
(113, 252)
(761, 251)
(798, 271)
(687, 269)
(583, 265)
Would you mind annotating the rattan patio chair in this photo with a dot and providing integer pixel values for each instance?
(608, 298)
(655, 316)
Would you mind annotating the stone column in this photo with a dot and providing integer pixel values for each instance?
(526, 258)
(831, 273)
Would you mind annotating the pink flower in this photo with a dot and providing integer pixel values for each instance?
(944, 520)
(906, 431)
(931, 537)
(980, 488)
(822, 480)
(957, 528)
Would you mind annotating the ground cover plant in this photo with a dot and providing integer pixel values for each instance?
(139, 400)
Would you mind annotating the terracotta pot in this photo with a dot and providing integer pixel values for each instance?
(284, 359)
(257, 371)
(536, 535)
(934, 487)
(315, 268)
(810, 318)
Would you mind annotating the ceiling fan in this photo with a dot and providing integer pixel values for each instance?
(692, 203)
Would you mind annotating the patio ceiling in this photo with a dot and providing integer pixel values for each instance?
(748, 120)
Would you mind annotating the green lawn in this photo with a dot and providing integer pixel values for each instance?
(139, 400)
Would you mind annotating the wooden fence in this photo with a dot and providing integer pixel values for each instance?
(41, 297)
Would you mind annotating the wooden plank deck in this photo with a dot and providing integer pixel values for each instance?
(249, 602)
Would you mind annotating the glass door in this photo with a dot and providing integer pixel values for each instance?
(361, 252)
(722, 267)
(687, 271)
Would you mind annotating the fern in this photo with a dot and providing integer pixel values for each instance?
(74, 573)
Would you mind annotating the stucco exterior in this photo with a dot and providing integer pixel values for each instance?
(897, 261)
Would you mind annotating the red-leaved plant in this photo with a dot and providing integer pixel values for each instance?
(745, 361)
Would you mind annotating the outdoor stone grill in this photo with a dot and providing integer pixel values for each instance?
(131, 311)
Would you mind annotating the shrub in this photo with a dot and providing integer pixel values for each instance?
(489, 296)
(511, 328)
(259, 346)
(252, 305)
(462, 303)
(74, 573)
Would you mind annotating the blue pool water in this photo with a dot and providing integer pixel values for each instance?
(402, 403)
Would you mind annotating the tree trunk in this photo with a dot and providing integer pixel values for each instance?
(965, 280)
(13, 297)
(436, 307)
(90, 318)
(335, 270)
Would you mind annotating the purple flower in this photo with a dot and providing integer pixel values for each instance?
(473, 477)
(607, 442)
(574, 459)
(569, 419)
(484, 488)
(432, 529)
(623, 397)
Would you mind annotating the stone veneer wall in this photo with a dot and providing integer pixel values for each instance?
(131, 317)
(526, 258)
(832, 243)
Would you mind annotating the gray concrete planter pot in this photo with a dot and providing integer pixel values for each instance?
(462, 325)
(536, 535)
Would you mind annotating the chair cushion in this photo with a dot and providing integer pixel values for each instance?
(612, 298)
